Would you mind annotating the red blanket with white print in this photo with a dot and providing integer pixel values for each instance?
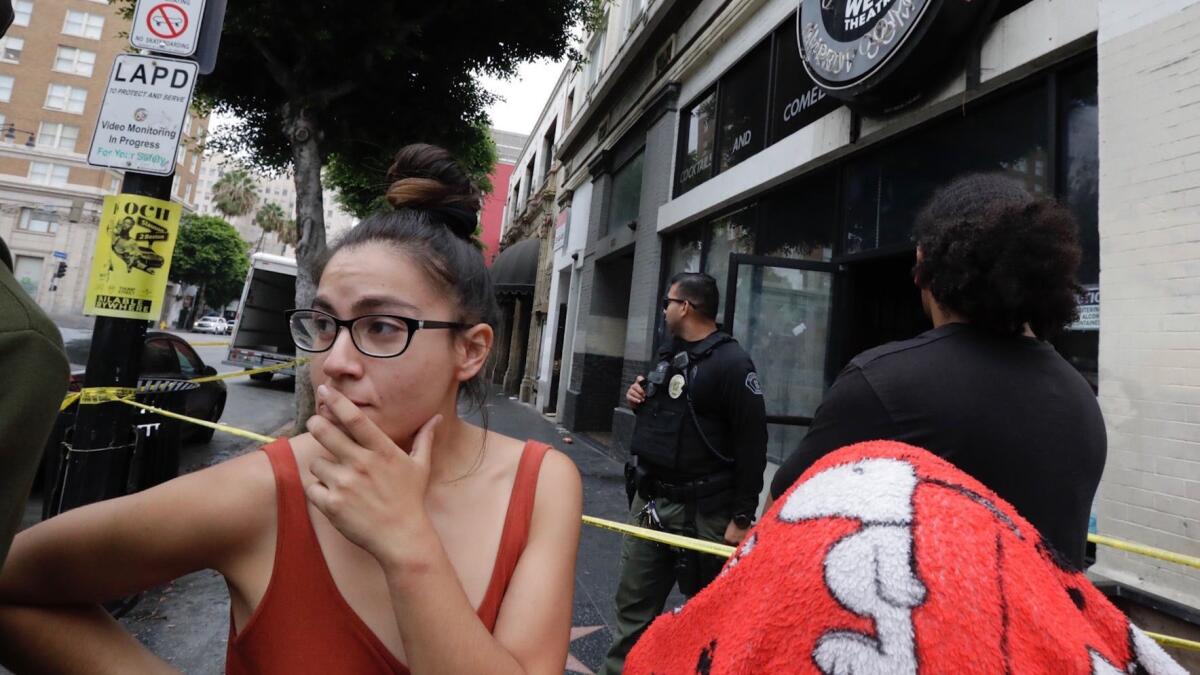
(884, 559)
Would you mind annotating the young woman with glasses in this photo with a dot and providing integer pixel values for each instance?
(393, 536)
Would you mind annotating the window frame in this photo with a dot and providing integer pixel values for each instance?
(8, 89)
(685, 113)
(610, 224)
(30, 215)
(86, 25)
(75, 62)
(58, 135)
(67, 98)
(52, 170)
(18, 14)
(5, 47)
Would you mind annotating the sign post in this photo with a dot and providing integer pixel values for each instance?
(138, 130)
(97, 461)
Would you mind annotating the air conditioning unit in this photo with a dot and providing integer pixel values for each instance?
(76, 213)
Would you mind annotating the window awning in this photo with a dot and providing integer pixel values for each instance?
(514, 272)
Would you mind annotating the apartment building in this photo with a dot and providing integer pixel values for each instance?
(54, 65)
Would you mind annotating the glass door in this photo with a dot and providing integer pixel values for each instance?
(779, 311)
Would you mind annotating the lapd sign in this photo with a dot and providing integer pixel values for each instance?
(167, 26)
(141, 120)
(882, 55)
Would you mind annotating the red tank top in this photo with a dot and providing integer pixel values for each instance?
(304, 625)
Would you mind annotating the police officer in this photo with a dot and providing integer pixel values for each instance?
(697, 457)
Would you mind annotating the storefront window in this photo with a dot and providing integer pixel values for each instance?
(730, 234)
(798, 101)
(884, 192)
(743, 104)
(684, 251)
(698, 132)
(1079, 165)
(782, 319)
(626, 194)
(798, 221)
(1079, 190)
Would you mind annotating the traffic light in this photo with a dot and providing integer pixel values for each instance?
(62, 270)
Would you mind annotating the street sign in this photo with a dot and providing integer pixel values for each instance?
(141, 120)
(61, 255)
(167, 26)
(134, 244)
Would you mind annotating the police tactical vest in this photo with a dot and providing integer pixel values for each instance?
(669, 433)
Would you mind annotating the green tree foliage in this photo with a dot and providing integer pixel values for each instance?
(361, 192)
(209, 253)
(310, 81)
(235, 193)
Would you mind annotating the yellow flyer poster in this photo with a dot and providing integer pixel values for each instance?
(133, 257)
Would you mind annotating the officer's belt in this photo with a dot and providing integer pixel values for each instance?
(692, 489)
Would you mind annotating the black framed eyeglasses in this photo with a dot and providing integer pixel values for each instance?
(381, 336)
(668, 300)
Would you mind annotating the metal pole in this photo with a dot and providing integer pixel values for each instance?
(97, 462)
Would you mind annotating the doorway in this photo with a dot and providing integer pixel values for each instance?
(560, 336)
(880, 304)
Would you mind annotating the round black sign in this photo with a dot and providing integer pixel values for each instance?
(881, 54)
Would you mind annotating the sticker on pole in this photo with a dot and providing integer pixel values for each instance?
(141, 120)
(133, 257)
(167, 26)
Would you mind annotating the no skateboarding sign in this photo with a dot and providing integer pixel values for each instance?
(167, 26)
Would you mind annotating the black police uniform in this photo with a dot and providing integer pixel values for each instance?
(698, 456)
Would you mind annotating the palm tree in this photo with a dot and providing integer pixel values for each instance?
(287, 234)
(235, 193)
(270, 218)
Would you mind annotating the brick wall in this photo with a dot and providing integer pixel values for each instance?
(1149, 87)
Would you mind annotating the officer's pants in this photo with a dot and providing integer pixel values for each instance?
(648, 575)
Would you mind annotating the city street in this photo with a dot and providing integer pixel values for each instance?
(187, 622)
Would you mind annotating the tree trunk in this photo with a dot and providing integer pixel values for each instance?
(199, 298)
(302, 128)
(261, 233)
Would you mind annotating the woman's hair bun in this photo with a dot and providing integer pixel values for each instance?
(428, 178)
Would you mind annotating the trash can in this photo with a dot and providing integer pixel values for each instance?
(156, 448)
(53, 453)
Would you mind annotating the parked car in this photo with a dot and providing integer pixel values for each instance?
(212, 323)
(164, 356)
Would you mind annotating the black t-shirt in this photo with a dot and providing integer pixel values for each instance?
(1009, 411)
(726, 388)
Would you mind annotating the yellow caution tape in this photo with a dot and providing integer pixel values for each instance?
(1172, 641)
(68, 401)
(211, 425)
(96, 395)
(1148, 551)
(253, 371)
(668, 538)
(703, 546)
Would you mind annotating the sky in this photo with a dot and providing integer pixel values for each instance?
(524, 96)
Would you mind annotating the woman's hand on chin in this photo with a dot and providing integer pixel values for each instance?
(372, 491)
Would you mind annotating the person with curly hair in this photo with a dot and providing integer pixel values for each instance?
(984, 389)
